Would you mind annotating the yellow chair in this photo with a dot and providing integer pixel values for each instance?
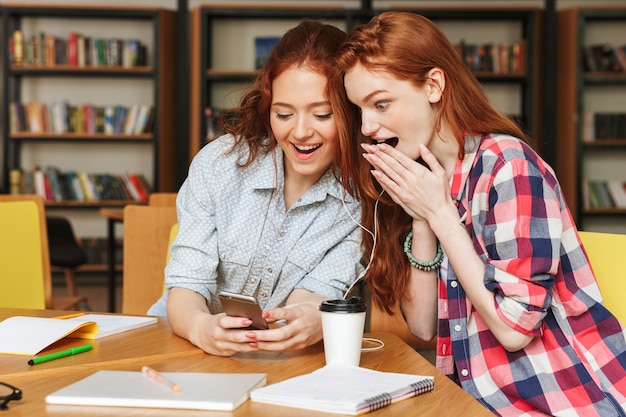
(25, 274)
(607, 256)
(147, 232)
(173, 233)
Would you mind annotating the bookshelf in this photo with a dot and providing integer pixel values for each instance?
(515, 88)
(150, 153)
(50, 81)
(222, 53)
(218, 74)
(585, 93)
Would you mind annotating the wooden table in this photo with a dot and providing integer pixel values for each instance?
(136, 349)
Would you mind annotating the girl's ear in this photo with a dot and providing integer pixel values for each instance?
(436, 84)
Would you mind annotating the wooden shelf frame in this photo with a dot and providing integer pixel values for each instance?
(203, 75)
(161, 70)
(572, 81)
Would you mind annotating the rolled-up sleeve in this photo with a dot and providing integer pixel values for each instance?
(521, 235)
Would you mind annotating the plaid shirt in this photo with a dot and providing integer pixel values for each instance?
(543, 286)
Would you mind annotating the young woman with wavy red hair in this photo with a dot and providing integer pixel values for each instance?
(263, 211)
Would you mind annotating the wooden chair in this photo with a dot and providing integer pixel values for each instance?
(25, 257)
(162, 199)
(607, 256)
(146, 239)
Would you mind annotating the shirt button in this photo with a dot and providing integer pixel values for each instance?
(252, 280)
(464, 372)
(454, 284)
(267, 247)
(457, 328)
(270, 270)
(281, 234)
(263, 295)
(444, 348)
(223, 256)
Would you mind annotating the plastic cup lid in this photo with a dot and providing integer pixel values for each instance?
(351, 305)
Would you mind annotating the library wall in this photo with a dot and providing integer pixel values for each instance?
(136, 91)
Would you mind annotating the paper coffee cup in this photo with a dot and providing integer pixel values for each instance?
(343, 322)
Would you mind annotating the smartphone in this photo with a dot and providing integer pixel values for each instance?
(237, 305)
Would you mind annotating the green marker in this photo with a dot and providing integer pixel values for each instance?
(62, 354)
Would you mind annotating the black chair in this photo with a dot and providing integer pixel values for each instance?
(65, 252)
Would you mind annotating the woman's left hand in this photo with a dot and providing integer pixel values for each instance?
(302, 328)
(421, 191)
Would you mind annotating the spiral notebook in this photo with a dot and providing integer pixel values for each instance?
(344, 389)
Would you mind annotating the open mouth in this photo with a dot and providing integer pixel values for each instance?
(391, 142)
(306, 149)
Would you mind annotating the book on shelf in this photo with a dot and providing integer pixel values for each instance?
(97, 250)
(344, 389)
(604, 57)
(617, 190)
(211, 117)
(16, 45)
(197, 390)
(604, 193)
(263, 45)
(23, 335)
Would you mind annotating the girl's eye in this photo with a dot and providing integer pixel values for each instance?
(381, 105)
(282, 116)
(324, 116)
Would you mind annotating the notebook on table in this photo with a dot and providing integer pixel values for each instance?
(344, 389)
(198, 391)
(23, 335)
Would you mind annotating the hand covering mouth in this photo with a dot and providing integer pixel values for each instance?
(306, 149)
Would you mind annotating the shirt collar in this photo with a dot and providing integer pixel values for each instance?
(464, 166)
(268, 169)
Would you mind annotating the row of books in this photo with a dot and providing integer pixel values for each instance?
(62, 117)
(53, 184)
(604, 57)
(601, 125)
(604, 194)
(211, 121)
(76, 50)
(496, 58)
(97, 250)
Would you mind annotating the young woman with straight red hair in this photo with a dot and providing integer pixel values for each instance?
(480, 248)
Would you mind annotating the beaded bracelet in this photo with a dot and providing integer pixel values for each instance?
(422, 266)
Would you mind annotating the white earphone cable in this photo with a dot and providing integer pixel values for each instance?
(373, 235)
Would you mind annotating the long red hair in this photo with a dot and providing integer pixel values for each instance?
(407, 46)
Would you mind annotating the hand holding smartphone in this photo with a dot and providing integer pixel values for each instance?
(237, 305)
